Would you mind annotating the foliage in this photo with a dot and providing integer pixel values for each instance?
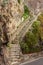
(24, 47)
(19, 1)
(4, 3)
(31, 39)
(36, 27)
(40, 18)
(26, 12)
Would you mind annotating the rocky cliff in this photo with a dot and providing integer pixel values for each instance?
(10, 17)
(11, 12)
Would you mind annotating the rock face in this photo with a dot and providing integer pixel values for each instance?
(38, 4)
(10, 17)
(12, 12)
(4, 56)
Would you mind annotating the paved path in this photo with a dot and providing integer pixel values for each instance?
(37, 62)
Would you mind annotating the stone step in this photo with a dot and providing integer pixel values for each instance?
(15, 57)
(15, 63)
(14, 60)
(14, 45)
(15, 53)
(15, 49)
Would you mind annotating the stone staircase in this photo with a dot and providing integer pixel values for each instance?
(14, 54)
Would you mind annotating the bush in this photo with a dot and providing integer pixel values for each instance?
(26, 12)
(19, 1)
(29, 49)
(40, 18)
(24, 47)
(30, 42)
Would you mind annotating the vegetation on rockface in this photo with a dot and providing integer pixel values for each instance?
(19, 1)
(40, 18)
(36, 27)
(26, 12)
(30, 42)
(4, 3)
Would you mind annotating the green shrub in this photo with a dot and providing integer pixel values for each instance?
(26, 12)
(19, 1)
(30, 42)
(24, 47)
(31, 39)
(36, 27)
(29, 49)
